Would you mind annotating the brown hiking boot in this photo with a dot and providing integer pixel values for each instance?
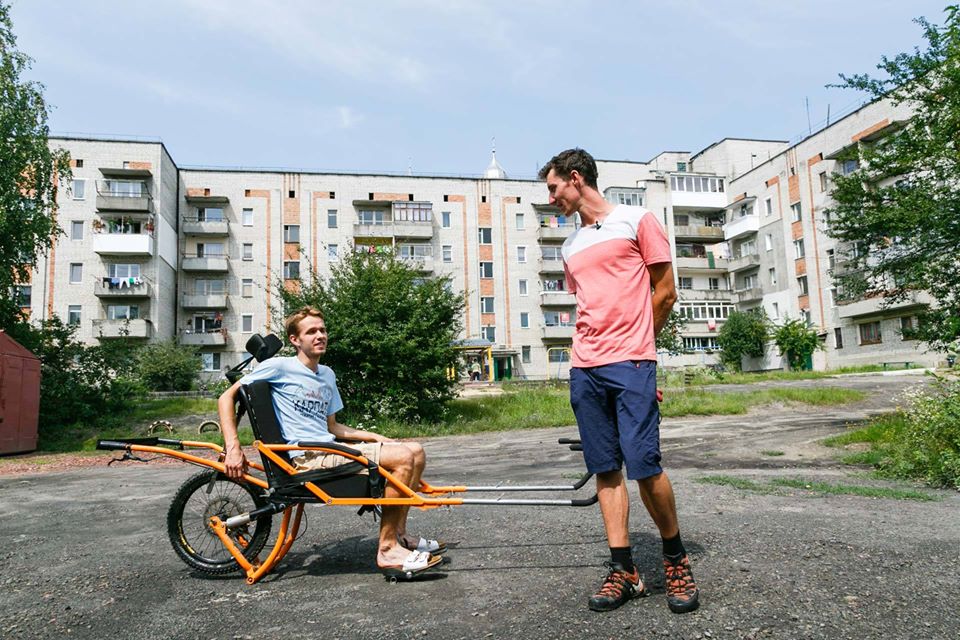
(618, 587)
(682, 593)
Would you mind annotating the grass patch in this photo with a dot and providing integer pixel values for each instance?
(771, 453)
(882, 429)
(775, 485)
(705, 377)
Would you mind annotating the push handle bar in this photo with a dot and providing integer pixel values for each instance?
(124, 445)
(573, 442)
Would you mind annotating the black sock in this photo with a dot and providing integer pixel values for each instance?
(621, 555)
(673, 547)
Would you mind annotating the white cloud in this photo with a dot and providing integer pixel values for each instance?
(348, 117)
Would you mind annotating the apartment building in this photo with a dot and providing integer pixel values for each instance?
(154, 251)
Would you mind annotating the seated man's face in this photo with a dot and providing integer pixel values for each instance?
(312, 338)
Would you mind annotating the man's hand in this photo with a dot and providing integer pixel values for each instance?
(235, 462)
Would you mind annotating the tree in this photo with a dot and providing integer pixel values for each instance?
(392, 335)
(797, 340)
(670, 338)
(168, 366)
(29, 172)
(743, 334)
(899, 212)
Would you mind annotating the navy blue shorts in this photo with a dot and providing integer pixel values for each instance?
(618, 417)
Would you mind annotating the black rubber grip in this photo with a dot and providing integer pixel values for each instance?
(576, 447)
(568, 441)
(333, 446)
(112, 445)
(586, 502)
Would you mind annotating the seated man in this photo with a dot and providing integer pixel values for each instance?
(306, 401)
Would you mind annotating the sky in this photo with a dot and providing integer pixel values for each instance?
(427, 86)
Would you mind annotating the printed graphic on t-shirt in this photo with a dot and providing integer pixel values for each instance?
(313, 404)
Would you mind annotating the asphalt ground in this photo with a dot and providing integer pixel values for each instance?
(86, 554)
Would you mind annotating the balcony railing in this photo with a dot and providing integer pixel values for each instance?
(751, 294)
(197, 300)
(193, 262)
(192, 226)
(702, 263)
(393, 229)
(555, 231)
(557, 299)
(107, 287)
(741, 226)
(123, 244)
(692, 295)
(123, 195)
(557, 332)
(212, 338)
(548, 265)
(420, 263)
(700, 232)
(746, 261)
(138, 328)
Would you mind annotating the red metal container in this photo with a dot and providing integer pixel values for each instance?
(19, 396)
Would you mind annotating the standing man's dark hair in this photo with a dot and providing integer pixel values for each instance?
(566, 162)
(612, 262)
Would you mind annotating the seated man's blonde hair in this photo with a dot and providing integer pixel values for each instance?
(291, 325)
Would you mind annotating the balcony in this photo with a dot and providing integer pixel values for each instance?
(195, 227)
(557, 299)
(205, 263)
(551, 266)
(204, 301)
(741, 226)
(749, 295)
(698, 232)
(875, 306)
(213, 338)
(411, 229)
(122, 195)
(423, 264)
(698, 199)
(123, 244)
(744, 262)
(693, 295)
(121, 288)
(555, 233)
(139, 328)
(701, 263)
(557, 332)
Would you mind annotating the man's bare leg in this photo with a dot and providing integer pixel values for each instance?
(399, 461)
(657, 495)
(615, 507)
(419, 464)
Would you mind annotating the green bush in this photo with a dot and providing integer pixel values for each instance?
(797, 340)
(743, 334)
(929, 445)
(168, 366)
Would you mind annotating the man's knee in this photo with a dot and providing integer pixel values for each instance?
(397, 457)
(419, 455)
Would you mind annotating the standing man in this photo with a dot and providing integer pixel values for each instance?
(611, 263)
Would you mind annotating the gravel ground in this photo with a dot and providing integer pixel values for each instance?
(87, 556)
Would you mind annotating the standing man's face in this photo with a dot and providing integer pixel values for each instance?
(564, 193)
(312, 337)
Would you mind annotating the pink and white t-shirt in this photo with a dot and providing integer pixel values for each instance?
(607, 270)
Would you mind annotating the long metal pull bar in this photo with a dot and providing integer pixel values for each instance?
(500, 487)
(586, 502)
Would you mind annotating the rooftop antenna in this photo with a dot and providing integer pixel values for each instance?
(809, 125)
(828, 114)
(409, 165)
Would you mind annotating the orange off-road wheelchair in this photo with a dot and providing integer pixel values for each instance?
(218, 525)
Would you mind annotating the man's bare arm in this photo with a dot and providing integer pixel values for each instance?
(343, 432)
(664, 293)
(236, 462)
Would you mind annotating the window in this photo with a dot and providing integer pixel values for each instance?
(775, 308)
(520, 222)
(79, 189)
(76, 273)
(629, 197)
(745, 210)
(823, 181)
(73, 315)
(486, 269)
(805, 316)
(332, 251)
(773, 276)
(247, 253)
(445, 219)
(681, 166)
(768, 242)
(291, 233)
(211, 361)
(705, 343)
(557, 355)
(210, 214)
(703, 311)
(78, 163)
(414, 251)
(713, 284)
(489, 333)
(796, 212)
(870, 333)
(246, 288)
(76, 230)
(559, 319)
(802, 285)
(523, 287)
(486, 304)
(849, 166)
(768, 203)
(680, 220)
(447, 251)
(123, 188)
(291, 270)
(204, 287)
(525, 354)
(246, 217)
(246, 323)
(552, 253)
(831, 260)
(833, 296)
(22, 295)
(798, 248)
(521, 254)
(486, 235)
(209, 249)
(413, 211)
(370, 217)
(120, 270)
(908, 326)
(686, 282)
(751, 281)
(291, 193)
(331, 218)
(123, 312)
(838, 338)
(524, 320)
